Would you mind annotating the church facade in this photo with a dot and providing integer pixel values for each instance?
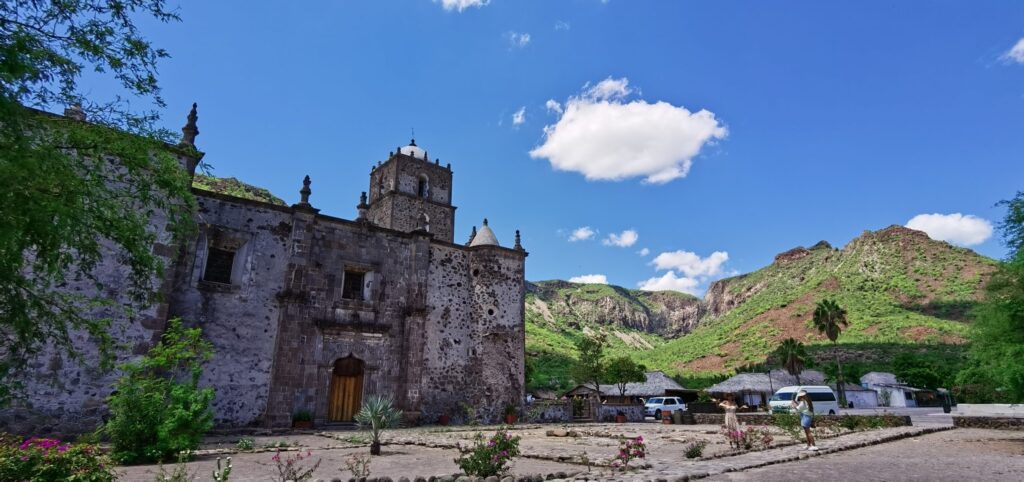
(313, 313)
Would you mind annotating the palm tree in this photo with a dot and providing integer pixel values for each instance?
(377, 413)
(830, 320)
(793, 357)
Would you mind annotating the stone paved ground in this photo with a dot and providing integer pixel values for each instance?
(430, 451)
(962, 454)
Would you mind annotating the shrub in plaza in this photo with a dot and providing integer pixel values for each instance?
(291, 467)
(44, 459)
(748, 438)
(378, 413)
(490, 458)
(158, 410)
(696, 449)
(629, 449)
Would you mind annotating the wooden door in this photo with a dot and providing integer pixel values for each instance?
(346, 395)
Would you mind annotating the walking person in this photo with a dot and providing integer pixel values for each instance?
(805, 408)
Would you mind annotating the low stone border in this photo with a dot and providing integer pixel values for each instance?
(1000, 423)
(824, 420)
(684, 475)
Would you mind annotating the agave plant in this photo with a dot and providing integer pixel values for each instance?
(377, 414)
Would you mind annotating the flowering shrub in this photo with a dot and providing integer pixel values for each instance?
(749, 438)
(487, 459)
(290, 468)
(50, 459)
(696, 449)
(629, 449)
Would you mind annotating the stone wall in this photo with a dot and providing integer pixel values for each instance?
(549, 411)
(632, 411)
(820, 420)
(240, 318)
(1002, 423)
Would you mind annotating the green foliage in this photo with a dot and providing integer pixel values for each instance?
(42, 459)
(921, 371)
(490, 458)
(378, 414)
(623, 370)
(830, 320)
(748, 438)
(630, 449)
(793, 356)
(994, 370)
(245, 443)
(233, 187)
(790, 424)
(589, 367)
(158, 410)
(222, 474)
(695, 449)
(179, 473)
(65, 205)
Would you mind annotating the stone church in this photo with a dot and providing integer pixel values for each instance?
(310, 312)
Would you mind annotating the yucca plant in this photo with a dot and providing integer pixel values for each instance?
(377, 414)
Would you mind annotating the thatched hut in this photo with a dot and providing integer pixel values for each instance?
(754, 389)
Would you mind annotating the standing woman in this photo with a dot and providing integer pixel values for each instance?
(731, 424)
(803, 406)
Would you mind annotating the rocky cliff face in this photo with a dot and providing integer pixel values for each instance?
(664, 313)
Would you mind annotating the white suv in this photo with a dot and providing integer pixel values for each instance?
(658, 406)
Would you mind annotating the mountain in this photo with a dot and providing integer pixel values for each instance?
(901, 289)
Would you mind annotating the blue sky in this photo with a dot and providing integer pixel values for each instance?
(823, 119)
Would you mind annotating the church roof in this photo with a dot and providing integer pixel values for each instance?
(485, 237)
(413, 150)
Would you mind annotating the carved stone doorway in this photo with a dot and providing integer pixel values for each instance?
(346, 395)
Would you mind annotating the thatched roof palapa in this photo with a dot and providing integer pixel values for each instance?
(760, 383)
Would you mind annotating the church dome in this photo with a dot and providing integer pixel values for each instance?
(485, 237)
(413, 150)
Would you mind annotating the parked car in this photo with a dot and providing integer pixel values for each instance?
(822, 397)
(658, 406)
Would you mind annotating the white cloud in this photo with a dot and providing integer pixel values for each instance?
(624, 240)
(1015, 54)
(519, 116)
(461, 5)
(581, 234)
(518, 40)
(644, 252)
(560, 25)
(608, 89)
(670, 282)
(552, 105)
(590, 279)
(602, 136)
(966, 230)
(691, 264)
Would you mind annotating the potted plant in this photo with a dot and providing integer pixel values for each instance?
(443, 419)
(510, 414)
(620, 417)
(302, 419)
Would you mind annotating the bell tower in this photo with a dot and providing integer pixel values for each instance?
(409, 192)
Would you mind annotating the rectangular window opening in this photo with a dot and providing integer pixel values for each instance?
(218, 265)
(352, 286)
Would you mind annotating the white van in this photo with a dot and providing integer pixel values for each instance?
(822, 397)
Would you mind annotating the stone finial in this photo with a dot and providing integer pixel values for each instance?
(485, 221)
(362, 207)
(425, 156)
(412, 142)
(305, 191)
(449, 166)
(472, 235)
(398, 150)
(437, 162)
(190, 130)
(390, 154)
(75, 112)
(519, 244)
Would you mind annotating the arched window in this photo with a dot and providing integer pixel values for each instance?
(424, 186)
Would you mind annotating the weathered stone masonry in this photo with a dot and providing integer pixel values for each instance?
(290, 296)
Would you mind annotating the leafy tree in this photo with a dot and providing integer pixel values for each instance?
(830, 320)
(623, 370)
(589, 366)
(378, 414)
(76, 193)
(157, 409)
(994, 370)
(793, 356)
(917, 371)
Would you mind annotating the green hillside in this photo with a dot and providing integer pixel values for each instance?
(233, 187)
(903, 292)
